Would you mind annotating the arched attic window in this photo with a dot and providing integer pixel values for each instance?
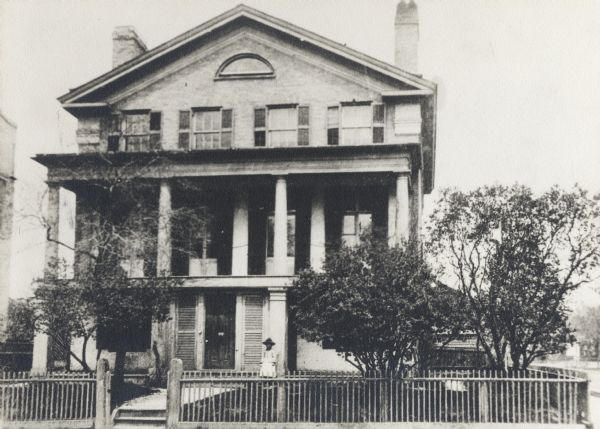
(245, 66)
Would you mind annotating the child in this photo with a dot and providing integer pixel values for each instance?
(268, 367)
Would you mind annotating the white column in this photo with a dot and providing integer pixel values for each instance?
(280, 228)
(6, 218)
(278, 322)
(239, 253)
(392, 214)
(40, 340)
(317, 230)
(419, 203)
(39, 363)
(164, 250)
(53, 220)
(403, 208)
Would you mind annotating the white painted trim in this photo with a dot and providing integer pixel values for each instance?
(239, 331)
(200, 328)
(396, 163)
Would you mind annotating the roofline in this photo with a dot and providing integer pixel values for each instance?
(260, 17)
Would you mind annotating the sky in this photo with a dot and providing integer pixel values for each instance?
(518, 82)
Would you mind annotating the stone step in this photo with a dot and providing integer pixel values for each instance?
(138, 426)
(139, 422)
(141, 412)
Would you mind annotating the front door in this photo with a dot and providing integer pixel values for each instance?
(219, 339)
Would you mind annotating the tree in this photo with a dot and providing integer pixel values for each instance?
(379, 306)
(516, 257)
(21, 321)
(586, 322)
(117, 229)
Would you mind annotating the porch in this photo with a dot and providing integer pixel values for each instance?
(246, 239)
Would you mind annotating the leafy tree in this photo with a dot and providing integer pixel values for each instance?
(586, 322)
(116, 240)
(379, 306)
(21, 321)
(515, 257)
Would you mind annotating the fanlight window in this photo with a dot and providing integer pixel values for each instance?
(245, 66)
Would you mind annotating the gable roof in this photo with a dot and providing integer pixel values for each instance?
(243, 11)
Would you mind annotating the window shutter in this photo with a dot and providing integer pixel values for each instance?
(186, 332)
(226, 127)
(303, 116)
(114, 126)
(303, 122)
(184, 130)
(155, 120)
(226, 119)
(333, 123)
(378, 123)
(259, 117)
(253, 332)
(184, 120)
(260, 137)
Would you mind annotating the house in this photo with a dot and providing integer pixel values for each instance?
(7, 171)
(286, 140)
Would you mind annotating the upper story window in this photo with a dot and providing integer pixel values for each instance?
(134, 131)
(245, 66)
(206, 128)
(355, 124)
(407, 119)
(281, 126)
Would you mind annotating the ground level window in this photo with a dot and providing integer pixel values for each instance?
(354, 225)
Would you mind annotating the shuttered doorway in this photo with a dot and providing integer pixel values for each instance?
(253, 331)
(219, 343)
(186, 331)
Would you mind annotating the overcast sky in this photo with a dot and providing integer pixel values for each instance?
(519, 81)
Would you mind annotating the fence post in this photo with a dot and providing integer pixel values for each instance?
(483, 402)
(108, 398)
(102, 397)
(281, 403)
(583, 402)
(174, 393)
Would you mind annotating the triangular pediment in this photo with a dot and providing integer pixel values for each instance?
(279, 33)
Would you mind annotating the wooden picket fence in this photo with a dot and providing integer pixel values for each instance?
(541, 396)
(53, 396)
(55, 399)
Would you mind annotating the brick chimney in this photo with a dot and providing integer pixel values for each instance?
(407, 36)
(126, 45)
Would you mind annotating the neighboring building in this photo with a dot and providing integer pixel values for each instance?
(8, 132)
(298, 142)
